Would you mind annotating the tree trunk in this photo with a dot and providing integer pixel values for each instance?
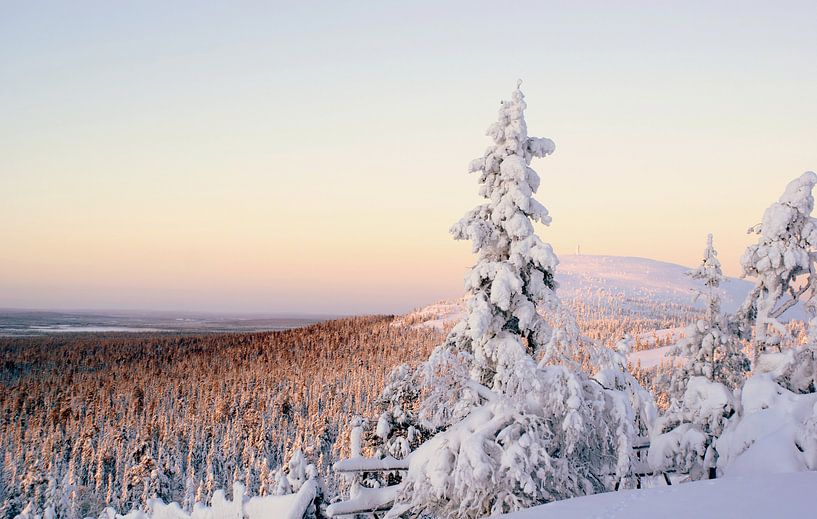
(761, 329)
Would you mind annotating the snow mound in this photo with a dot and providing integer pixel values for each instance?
(773, 495)
(776, 433)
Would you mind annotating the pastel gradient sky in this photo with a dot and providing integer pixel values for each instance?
(310, 157)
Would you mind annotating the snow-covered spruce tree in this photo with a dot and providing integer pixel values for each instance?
(712, 365)
(613, 375)
(684, 439)
(709, 348)
(398, 431)
(514, 433)
(786, 249)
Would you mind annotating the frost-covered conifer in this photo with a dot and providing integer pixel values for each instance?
(398, 430)
(189, 490)
(515, 269)
(297, 474)
(785, 250)
(513, 275)
(800, 374)
(712, 364)
(515, 433)
(709, 348)
(684, 439)
(282, 486)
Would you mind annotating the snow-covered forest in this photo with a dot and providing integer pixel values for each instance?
(524, 393)
(91, 421)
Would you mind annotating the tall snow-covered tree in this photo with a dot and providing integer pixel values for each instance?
(514, 272)
(514, 433)
(709, 348)
(786, 249)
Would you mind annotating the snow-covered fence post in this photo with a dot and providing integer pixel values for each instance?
(356, 437)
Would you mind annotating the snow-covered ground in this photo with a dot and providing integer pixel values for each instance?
(649, 358)
(436, 315)
(788, 495)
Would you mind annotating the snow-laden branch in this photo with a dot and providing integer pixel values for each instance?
(365, 500)
(371, 464)
(795, 298)
(482, 391)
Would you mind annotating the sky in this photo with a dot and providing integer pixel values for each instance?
(302, 157)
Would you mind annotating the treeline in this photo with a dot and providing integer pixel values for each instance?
(94, 421)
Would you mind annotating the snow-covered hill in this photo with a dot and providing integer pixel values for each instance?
(614, 287)
(636, 281)
(770, 495)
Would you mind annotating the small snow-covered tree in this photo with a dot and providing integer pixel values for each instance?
(786, 249)
(800, 375)
(709, 348)
(299, 470)
(514, 433)
(398, 430)
(281, 486)
(613, 375)
(712, 365)
(684, 439)
(189, 490)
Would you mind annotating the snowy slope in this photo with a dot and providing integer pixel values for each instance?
(613, 287)
(636, 280)
(649, 358)
(789, 495)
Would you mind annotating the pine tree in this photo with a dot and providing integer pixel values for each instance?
(709, 348)
(189, 490)
(282, 486)
(297, 474)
